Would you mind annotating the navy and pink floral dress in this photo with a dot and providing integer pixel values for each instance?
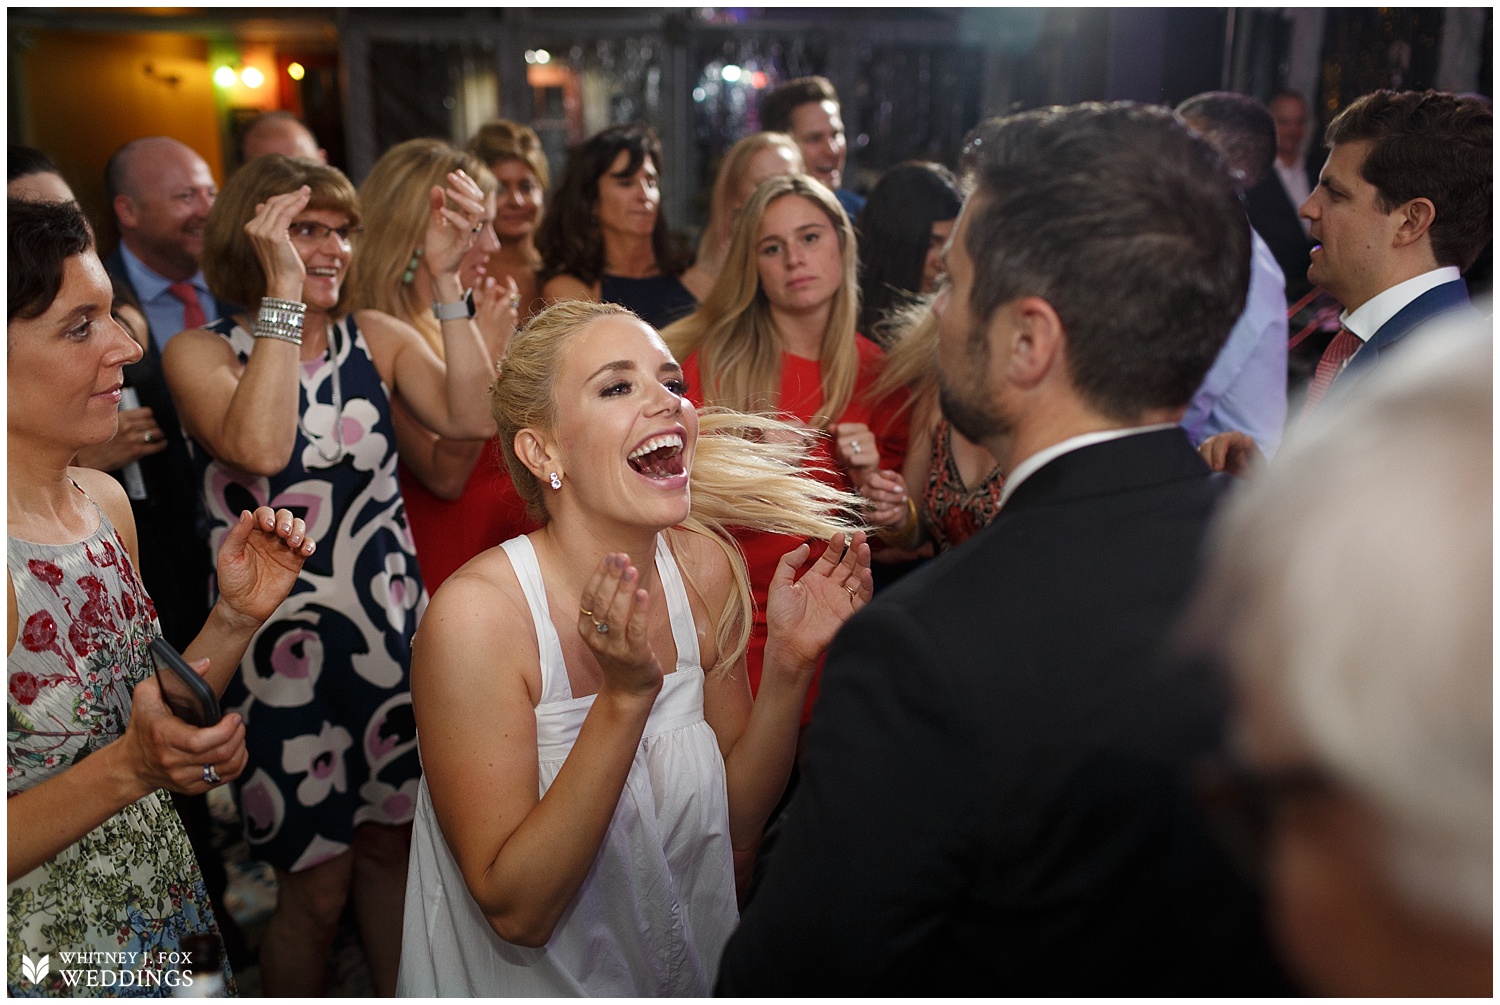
(324, 686)
(131, 885)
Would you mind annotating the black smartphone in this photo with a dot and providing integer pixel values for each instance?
(187, 695)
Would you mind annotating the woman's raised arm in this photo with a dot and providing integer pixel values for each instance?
(246, 416)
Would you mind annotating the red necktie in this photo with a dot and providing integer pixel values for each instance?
(192, 310)
(1344, 345)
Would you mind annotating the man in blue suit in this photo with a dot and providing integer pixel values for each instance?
(1402, 207)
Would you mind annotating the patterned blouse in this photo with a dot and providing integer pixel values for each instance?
(952, 513)
(131, 885)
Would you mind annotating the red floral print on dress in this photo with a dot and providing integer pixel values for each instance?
(25, 687)
(39, 635)
(46, 572)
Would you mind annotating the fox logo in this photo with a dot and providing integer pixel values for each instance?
(35, 972)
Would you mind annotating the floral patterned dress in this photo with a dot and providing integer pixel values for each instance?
(324, 685)
(131, 884)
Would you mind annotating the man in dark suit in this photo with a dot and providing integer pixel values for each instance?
(993, 799)
(161, 192)
(1401, 209)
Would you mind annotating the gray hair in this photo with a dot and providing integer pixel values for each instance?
(1353, 582)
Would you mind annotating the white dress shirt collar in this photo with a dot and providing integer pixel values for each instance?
(1372, 315)
(1047, 455)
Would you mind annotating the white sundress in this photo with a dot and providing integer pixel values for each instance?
(658, 906)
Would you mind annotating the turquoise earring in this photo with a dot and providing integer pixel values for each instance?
(411, 267)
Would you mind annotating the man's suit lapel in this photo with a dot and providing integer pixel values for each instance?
(1438, 300)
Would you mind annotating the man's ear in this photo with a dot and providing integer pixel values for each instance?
(125, 212)
(1416, 219)
(537, 453)
(1037, 342)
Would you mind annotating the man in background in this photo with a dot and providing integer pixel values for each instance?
(1246, 387)
(279, 133)
(1273, 202)
(808, 109)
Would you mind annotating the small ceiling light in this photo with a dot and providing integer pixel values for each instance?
(252, 77)
(731, 73)
(224, 76)
(543, 56)
(296, 71)
(531, 55)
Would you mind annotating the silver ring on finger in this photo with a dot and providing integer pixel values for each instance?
(856, 446)
(601, 627)
(211, 774)
(146, 437)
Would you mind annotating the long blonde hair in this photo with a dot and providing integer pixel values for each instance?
(395, 200)
(911, 359)
(739, 349)
(748, 470)
(713, 245)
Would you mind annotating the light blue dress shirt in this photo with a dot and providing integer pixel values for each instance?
(163, 310)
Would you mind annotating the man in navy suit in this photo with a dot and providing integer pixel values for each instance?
(1402, 207)
(992, 799)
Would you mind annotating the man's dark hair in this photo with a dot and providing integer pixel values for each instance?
(22, 161)
(569, 237)
(43, 236)
(1237, 126)
(776, 108)
(1427, 144)
(1287, 93)
(1130, 226)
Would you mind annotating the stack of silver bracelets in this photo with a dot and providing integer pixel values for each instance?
(281, 319)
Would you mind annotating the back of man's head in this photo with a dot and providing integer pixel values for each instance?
(1130, 226)
(278, 132)
(1427, 145)
(776, 108)
(1239, 127)
(1354, 610)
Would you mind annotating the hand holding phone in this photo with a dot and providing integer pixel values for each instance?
(186, 694)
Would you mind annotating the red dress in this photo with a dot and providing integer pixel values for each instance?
(449, 533)
(801, 395)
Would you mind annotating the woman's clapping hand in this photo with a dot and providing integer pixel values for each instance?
(260, 559)
(614, 600)
(454, 220)
(804, 614)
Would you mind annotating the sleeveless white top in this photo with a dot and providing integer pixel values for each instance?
(657, 908)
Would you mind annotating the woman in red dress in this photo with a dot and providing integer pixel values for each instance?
(776, 335)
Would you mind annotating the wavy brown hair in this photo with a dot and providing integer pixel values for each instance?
(230, 266)
(569, 237)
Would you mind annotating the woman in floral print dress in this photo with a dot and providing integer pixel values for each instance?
(305, 422)
(97, 859)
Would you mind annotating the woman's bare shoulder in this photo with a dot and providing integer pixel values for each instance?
(566, 287)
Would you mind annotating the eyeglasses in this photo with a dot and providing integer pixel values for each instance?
(1243, 802)
(314, 232)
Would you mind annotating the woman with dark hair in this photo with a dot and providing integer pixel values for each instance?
(31, 175)
(902, 230)
(605, 238)
(96, 858)
(292, 404)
